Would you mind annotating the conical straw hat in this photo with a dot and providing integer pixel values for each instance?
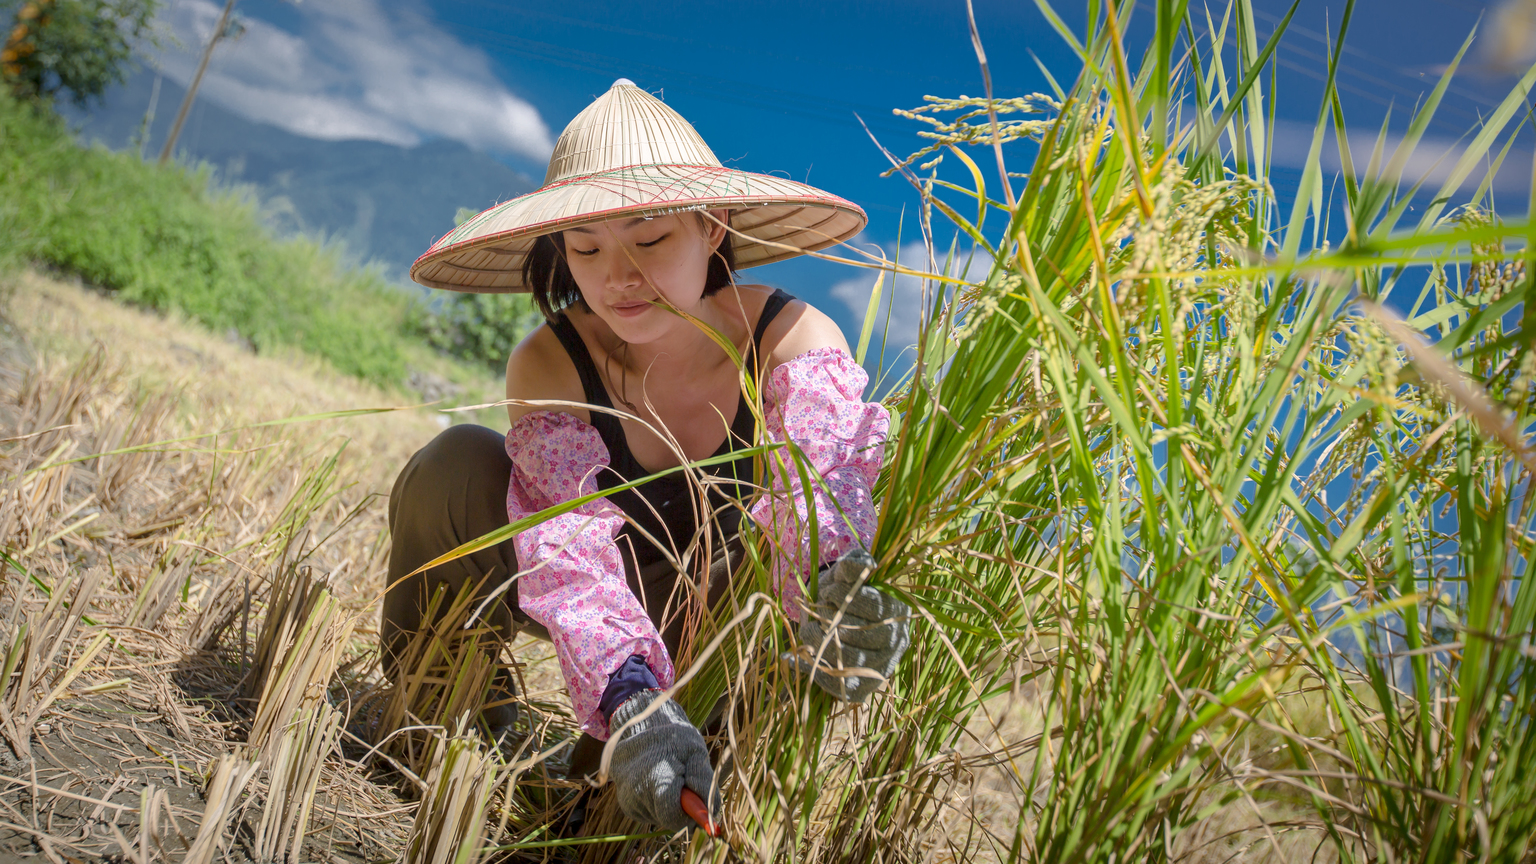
(628, 154)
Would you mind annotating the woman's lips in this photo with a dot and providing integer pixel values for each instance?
(630, 310)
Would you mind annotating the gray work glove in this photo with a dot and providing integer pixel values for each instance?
(655, 758)
(872, 632)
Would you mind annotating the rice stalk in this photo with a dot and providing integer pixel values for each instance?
(309, 633)
(293, 771)
(442, 679)
(450, 823)
(124, 428)
(292, 601)
(36, 499)
(160, 590)
(51, 400)
(37, 643)
(317, 488)
(227, 779)
(152, 840)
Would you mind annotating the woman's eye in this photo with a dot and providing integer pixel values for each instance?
(584, 252)
(651, 243)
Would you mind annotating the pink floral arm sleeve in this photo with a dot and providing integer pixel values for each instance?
(573, 574)
(817, 401)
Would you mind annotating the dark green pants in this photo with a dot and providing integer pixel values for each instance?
(454, 490)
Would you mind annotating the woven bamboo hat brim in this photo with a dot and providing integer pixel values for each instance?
(628, 154)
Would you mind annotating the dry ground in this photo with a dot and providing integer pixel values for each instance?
(178, 546)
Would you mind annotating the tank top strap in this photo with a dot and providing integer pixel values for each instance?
(771, 309)
(591, 382)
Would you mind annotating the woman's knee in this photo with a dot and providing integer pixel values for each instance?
(458, 461)
(450, 492)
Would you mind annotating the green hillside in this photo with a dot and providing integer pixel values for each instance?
(387, 203)
(171, 239)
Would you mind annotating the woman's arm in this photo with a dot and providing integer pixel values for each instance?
(813, 395)
(572, 575)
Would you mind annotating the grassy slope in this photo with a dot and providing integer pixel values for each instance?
(223, 384)
(172, 240)
(219, 385)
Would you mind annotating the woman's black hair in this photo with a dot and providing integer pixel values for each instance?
(549, 277)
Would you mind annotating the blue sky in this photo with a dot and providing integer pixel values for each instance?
(773, 87)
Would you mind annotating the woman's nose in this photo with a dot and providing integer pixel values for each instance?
(622, 272)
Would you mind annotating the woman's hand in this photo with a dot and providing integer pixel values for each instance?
(655, 758)
(853, 630)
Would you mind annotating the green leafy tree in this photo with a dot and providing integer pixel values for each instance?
(479, 328)
(81, 47)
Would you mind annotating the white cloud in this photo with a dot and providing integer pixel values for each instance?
(356, 69)
(1432, 160)
(903, 299)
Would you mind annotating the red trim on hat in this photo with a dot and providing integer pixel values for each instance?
(831, 201)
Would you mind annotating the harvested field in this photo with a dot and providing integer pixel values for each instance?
(139, 599)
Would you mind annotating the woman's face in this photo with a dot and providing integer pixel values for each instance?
(623, 265)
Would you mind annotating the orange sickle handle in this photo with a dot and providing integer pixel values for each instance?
(693, 805)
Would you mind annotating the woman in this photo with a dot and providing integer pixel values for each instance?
(627, 252)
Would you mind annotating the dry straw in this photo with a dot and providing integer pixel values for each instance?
(294, 767)
(450, 824)
(227, 780)
(442, 680)
(31, 681)
(120, 514)
(308, 632)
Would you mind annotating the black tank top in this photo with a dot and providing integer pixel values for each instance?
(665, 507)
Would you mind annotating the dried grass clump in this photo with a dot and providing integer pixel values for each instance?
(450, 824)
(38, 645)
(443, 681)
(226, 781)
(305, 636)
(294, 761)
(168, 564)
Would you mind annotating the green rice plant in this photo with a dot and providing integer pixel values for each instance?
(1434, 706)
(1119, 499)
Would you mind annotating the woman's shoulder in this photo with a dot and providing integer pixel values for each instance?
(541, 369)
(797, 328)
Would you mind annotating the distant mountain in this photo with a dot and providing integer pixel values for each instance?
(386, 203)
